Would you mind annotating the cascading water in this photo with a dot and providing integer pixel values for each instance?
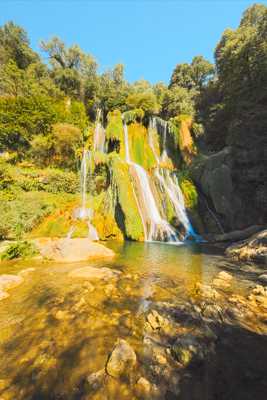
(168, 181)
(155, 227)
(83, 212)
(99, 134)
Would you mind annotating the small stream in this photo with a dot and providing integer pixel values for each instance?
(192, 337)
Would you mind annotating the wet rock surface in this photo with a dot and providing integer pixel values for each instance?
(103, 332)
(122, 359)
(252, 249)
(71, 250)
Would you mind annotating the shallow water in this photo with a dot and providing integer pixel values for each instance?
(56, 330)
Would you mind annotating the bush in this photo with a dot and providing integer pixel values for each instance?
(25, 211)
(19, 250)
(5, 175)
(133, 115)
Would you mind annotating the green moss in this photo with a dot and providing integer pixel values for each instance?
(190, 193)
(133, 115)
(19, 250)
(126, 212)
(107, 227)
(140, 151)
(114, 130)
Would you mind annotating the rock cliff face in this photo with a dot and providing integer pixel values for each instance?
(233, 182)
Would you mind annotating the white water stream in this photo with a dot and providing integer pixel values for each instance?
(158, 229)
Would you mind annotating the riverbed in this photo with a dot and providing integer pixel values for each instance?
(189, 322)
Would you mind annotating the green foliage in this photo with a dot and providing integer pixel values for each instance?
(176, 101)
(146, 101)
(140, 151)
(234, 104)
(14, 45)
(189, 190)
(194, 75)
(25, 210)
(23, 249)
(127, 214)
(6, 178)
(133, 115)
(22, 118)
(33, 179)
(114, 130)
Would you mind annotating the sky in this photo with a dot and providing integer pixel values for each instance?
(148, 36)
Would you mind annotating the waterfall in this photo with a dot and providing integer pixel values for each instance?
(83, 212)
(155, 227)
(99, 134)
(169, 182)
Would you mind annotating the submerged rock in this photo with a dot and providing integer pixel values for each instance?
(187, 350)
(122, 359)
(263, 278)
(93, 273)
(143, 387)
(206, 291)
(71, 250)
(8, 282)
(223, 280)
(96, 380)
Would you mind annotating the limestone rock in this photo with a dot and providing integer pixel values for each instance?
(71, 250)
(96, 379)
(187, 350)
(263, 278)
(93, 273)
(8, 282)
(206, 291)
(252, 249)
(122, 359)
(143, 387)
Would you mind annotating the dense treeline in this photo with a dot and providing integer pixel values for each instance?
(47, 109)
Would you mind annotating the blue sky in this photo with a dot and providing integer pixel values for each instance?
(148, 37)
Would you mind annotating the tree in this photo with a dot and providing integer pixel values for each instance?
(176, 101)
(72, 69)
(192, 76)
(15, 45)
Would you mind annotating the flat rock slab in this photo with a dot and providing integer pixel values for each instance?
(71, 250)
(122, 359)
(93, 273)
(8, 282)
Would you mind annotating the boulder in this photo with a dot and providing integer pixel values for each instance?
(252, 249)
(263, 278)
(122, 359)
(71, 250)
(9, 281)
(143, 388)
(93, 273)
(96, 380)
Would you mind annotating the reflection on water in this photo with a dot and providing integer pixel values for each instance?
(56, 329)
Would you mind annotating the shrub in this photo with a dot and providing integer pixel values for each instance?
(5, 175)
(133, 115)
(22, 249)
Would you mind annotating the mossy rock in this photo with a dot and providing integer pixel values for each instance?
(107, 227)
(190, 193)
(140, 151)
(126, 209)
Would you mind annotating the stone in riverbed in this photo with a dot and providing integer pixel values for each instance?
(263, 278)
(71, 250)
(9, 281)
(93, 273)
(143, 388)
(122, 359)
(96, 380)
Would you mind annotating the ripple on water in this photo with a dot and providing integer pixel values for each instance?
(173, 305)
